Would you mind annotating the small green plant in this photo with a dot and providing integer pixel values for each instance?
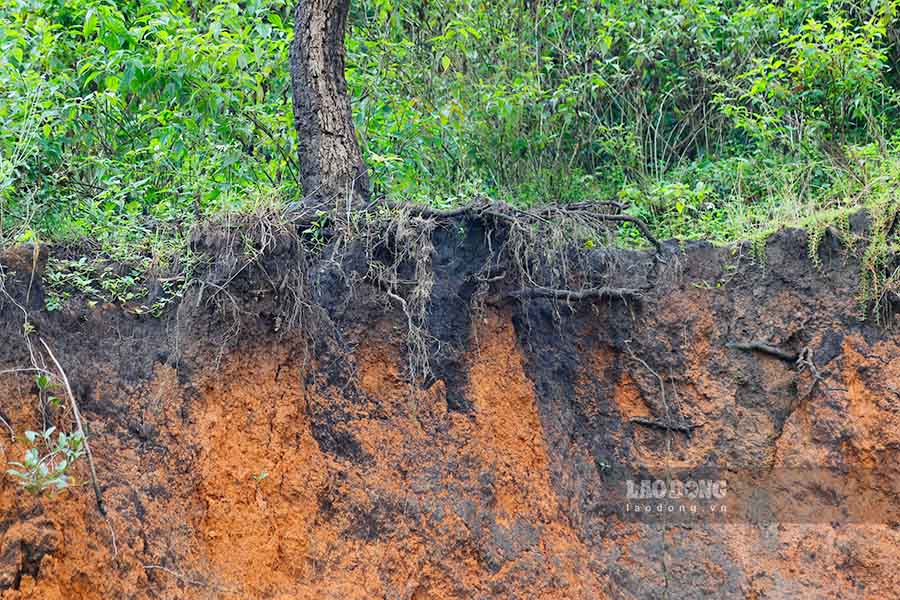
(758, 248)
(880, 276)
(316, 230)
(47, 461)
(45, 390)
(815, 235)
(98, 281)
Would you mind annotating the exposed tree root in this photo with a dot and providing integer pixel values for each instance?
(587, 211)
(596, 211)
(802, 361)
(765, 348)
(686, 428)
(572, 295)
(541, 252)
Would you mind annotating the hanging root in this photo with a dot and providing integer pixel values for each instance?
(553, 252)
(399, 250)
(585, 212)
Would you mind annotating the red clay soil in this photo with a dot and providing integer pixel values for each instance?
(266, 475)
(271, 538)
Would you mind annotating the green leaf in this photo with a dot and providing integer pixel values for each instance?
(758, 86)
(90, 23)
(42, 381)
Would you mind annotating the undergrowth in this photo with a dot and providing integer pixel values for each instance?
(714, 119)
(131, 285)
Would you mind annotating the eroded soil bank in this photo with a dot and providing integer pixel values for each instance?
(239, 460)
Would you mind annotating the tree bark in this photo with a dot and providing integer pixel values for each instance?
(332, 171)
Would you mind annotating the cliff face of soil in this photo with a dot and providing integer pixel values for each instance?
(242, 459)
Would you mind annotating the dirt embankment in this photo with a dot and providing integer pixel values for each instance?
(240, 458)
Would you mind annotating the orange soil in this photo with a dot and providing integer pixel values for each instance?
(235, 499)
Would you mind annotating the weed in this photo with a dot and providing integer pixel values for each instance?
(102, 281)
(316, 230)
(47, 461)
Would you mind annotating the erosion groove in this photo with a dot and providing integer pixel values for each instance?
(268, 438)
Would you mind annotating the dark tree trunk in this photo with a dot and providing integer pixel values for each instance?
(332, 171)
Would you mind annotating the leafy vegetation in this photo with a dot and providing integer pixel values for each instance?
(100, 280)
(47, 459)
(122, 123)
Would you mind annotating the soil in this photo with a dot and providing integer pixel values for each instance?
(239, 458)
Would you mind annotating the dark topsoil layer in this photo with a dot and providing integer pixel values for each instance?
(695, 293)
(259, 300)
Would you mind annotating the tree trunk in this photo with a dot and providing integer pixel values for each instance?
(332, 171)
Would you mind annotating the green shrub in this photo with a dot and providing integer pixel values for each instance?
(47, 461)
(126, 120)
